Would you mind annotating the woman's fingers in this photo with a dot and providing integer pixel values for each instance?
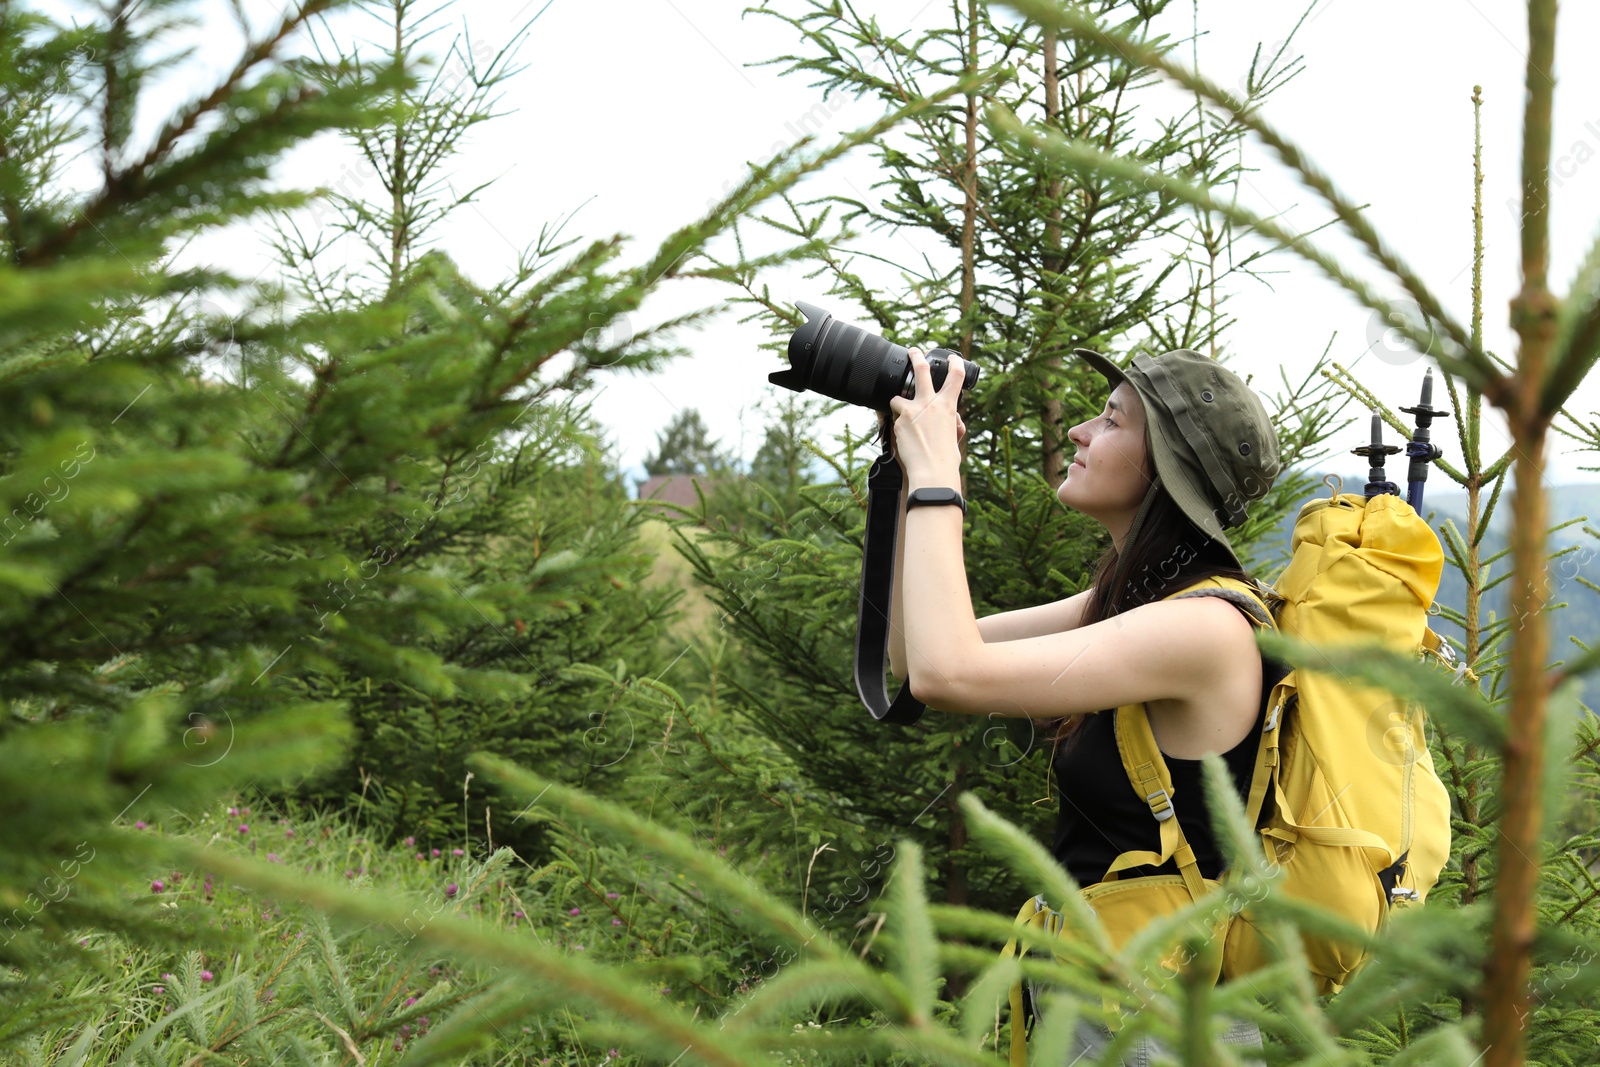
(920, 443)
(955, 373)
(920, 374)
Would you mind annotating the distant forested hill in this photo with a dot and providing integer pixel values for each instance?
(1580, 617)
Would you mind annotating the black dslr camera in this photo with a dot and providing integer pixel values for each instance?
(850, 364)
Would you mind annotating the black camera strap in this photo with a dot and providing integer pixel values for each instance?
(884, 483)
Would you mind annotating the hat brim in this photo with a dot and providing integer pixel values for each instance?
(1171, 471)
(1112, 372)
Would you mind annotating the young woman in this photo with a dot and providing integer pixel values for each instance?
(1180, 448)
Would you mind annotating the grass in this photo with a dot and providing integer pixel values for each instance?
(255, 980)
(698, 613)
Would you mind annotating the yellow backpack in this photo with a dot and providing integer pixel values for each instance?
(1359, 821)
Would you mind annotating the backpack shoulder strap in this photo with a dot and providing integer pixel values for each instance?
(1248, 597)
(1253, 598)
(1141, 759)
(1148, 772)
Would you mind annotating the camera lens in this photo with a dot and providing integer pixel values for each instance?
(848, 363)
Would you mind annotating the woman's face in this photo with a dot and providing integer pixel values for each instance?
(1110, 472)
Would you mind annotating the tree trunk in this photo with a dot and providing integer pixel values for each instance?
(398, 238)
(1054, 432)
(1475, 481)
(969, 182)
(1533, 316)
(955, 875)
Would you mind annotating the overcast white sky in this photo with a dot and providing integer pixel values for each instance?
(636, 113)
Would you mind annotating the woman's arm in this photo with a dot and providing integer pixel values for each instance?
(1036, 621)
(1052, 618)
(897, 630)
(1164, 650)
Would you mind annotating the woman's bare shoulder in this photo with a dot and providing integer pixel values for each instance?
(1209, 634)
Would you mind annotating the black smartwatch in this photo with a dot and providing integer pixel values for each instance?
(939, 495)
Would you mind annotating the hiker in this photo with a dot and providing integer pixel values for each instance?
(1179, 451)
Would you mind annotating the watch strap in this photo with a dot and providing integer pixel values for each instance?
(936, 495)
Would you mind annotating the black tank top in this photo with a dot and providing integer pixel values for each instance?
(1103, 816)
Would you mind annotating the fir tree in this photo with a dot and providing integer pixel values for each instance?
(684, 446)
(785, 461)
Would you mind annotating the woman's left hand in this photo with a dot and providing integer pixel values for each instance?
(927, 428)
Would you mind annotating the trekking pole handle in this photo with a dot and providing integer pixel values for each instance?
(1376, 452)
(1421, 449)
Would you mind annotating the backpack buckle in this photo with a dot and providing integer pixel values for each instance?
(1400, 892)
(1161, 809)
(1446, 653)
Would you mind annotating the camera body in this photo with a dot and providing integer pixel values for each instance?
(847, 363)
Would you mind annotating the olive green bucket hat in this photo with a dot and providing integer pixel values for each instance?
(1211, 439)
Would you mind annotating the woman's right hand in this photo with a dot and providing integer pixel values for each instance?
(886, 428)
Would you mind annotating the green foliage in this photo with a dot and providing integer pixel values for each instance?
(220, 529)
(349, 560)
(558, 573)
(275, 979)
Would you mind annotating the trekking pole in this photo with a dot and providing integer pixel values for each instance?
(1421, 450)
(1376, 453)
